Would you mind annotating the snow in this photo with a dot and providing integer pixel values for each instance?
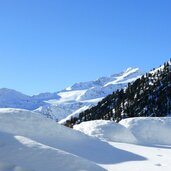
(66, 97)
(31, 142)
(12, 98)
(106, 130)
(124, 77)
(155, 131)
(83, 105)
(77, 97)
(63, 110)
(74, 114)
(64, 104)
(157, 158)
(150, 130)
(21, 154)
(71, 95)
(157, 69)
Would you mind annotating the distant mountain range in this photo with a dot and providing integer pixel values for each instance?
(69, 102)
(13, 99)
(149, 95)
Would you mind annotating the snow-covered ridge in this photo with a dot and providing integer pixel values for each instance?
(160, 68)
(125, 77)
(84, 95)
(70, 101)
(129, 73)
(14, 99)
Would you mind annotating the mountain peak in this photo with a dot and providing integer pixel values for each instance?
(130, 72)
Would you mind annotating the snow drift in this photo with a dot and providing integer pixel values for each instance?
(106, 130)
(18, 153)
(150, 130)
(29, 141)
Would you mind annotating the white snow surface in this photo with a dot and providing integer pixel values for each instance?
(106, 130)
(152, 136)
(150, 130)
(121, 78)
(157, 158)
(74, 114)
(31, 142)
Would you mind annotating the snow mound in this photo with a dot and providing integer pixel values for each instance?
(106, 130)
(23, 154)
(150, 130)
(30, 142)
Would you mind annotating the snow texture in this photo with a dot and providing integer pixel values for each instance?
(150, 130)
(31, 142)
(106, 130)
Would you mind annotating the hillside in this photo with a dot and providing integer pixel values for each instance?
(64, 104)
(84, 95)
(149, 95)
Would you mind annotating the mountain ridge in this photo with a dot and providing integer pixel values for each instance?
(72, 100)
(149, 95)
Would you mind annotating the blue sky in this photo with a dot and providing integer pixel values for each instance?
(47, 45)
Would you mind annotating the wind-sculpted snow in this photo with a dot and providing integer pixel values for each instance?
(106, 130)
(28, 140)
(150, 130)
(31, 142)
(19, 153)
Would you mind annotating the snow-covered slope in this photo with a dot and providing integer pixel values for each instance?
(106, 130)
(84, 95)
(15, 99)
(139, 130)
(150, 130)
(69, 102)
(19, 153)
(31, 142)
(152, 133)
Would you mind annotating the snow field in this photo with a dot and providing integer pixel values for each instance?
(31, 142)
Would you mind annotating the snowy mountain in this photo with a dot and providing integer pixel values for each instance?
(84, 95)
(32, 142)
(149, 95)
(14, 99)
(71, 101)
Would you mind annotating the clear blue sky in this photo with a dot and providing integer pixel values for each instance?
(47, 45)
